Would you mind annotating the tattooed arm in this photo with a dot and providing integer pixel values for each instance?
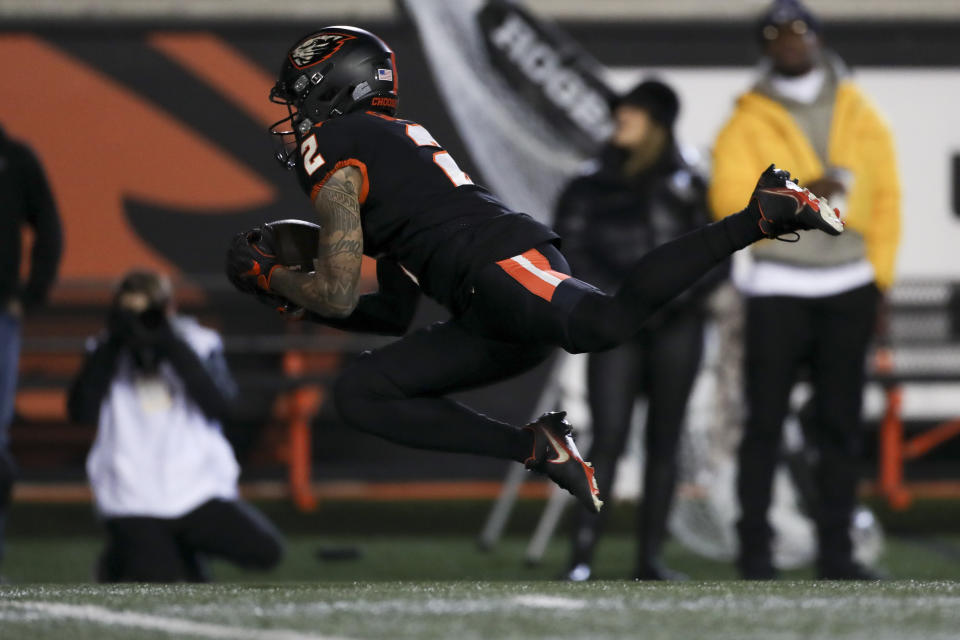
(388, 312)
(331, 290)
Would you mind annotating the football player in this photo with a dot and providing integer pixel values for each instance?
(384, 187)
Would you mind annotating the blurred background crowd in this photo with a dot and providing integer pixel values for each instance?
(765, 419)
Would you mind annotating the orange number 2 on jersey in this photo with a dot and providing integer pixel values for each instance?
(312, 160)
(442, 159)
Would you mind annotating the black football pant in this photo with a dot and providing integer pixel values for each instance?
(520, 309)
(141, 549)
(661, 363)
(828, 337)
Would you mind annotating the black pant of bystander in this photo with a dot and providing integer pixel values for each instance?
(143, 549)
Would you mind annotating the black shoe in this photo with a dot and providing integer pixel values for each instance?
(757, 568)
(656, 570)
(555, 455)
(849, 570)
(784, 207)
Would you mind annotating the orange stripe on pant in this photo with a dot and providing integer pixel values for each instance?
(532, 270)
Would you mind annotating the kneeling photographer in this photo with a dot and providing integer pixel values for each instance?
(164, 477)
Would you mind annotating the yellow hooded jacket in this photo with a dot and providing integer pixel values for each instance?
(761, 131)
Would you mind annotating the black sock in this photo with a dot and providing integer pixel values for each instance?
(741, 230)
(600, 322)
(666, 271)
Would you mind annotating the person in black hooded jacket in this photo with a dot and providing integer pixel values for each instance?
(639, 194)
(25, 201)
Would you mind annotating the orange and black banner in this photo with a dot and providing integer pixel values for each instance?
(155, 140)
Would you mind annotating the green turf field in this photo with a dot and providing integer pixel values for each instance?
(417, 573)
(486, 610)
(443, 587)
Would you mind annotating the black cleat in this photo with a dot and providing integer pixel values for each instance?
(555, 455)
(784, 207)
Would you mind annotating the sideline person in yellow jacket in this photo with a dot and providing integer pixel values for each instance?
(811, 304)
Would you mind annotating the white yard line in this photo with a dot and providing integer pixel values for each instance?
(174, 626)
(539, 601)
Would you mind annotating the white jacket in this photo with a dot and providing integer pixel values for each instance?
(156, 454)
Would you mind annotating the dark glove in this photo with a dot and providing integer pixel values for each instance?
(121, 326)
(144, 329)
(251, 262)
(146, 335)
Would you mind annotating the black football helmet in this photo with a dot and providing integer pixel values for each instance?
(328, 73)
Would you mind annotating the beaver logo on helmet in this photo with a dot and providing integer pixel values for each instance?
(317, 48)
(329, 73)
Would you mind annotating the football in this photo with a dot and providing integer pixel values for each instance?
(296, 242)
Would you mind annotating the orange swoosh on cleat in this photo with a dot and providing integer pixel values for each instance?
(562, 454)
(254, 270)
(801, 195)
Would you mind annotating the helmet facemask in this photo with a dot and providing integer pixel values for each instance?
(291, 130)
(286, 142)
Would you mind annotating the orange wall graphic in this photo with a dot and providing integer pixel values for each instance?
(212, 60)
(102, 143)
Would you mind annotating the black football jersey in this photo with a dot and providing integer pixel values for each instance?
(416, 205)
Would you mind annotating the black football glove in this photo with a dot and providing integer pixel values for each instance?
(251, 262)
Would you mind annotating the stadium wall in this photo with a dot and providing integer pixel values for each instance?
(154, 135)
(149, 131)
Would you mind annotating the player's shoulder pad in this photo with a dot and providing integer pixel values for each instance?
(380, 122)
(354, 131)
(361, 120)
